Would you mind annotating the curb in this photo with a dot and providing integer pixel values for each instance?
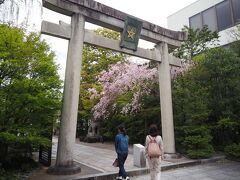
(142, 171)
(111, 176)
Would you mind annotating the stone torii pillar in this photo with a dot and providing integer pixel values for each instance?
(64, 161)
(166, 100)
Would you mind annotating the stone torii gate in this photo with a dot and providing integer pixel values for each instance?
(99, 14)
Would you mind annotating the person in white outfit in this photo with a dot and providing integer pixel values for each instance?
(154, 162)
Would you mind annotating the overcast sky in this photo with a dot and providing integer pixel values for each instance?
(154, 11)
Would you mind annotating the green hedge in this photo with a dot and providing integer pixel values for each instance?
(233, 151)
(9, 138)
(195, 141)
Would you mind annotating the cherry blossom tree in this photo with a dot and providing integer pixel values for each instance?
(121, 79)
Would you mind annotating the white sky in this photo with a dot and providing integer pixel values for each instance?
(154, 11)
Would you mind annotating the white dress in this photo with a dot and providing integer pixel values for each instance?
(154, 163)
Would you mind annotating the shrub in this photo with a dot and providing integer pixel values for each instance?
(233, 151)
(195, 141)
(17, 168)
(19, 162)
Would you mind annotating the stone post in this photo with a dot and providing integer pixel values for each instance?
(139, 159)
(66, 141)
(166, 99)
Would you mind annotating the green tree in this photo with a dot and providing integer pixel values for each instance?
(95, 60)
(136, 123)
(150, 113)
(222, 79)
(198, 41)
(207, 96)
(191, 112)
(235, 46)
(29, 89)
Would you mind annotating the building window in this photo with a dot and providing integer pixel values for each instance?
(236, 11)
(224, 17)
(196, 21)
(210, 19)
(219, 17)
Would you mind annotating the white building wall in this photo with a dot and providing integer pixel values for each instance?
(177, 20)
(226, 36)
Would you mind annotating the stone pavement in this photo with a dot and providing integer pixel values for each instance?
(222, 170)
(101, 156)
(95, 160)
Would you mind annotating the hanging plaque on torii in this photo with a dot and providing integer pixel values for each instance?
(131, 34)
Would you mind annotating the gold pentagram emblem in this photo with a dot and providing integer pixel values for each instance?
(131, 33)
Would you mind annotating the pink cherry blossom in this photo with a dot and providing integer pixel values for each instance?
(122, 78)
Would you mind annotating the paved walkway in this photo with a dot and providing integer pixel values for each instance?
(223, 170)
(101, 156)
(96, 160)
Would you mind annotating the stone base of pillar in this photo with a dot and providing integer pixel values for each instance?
(64, 170)
(171, 156)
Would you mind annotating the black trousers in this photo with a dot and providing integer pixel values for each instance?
(121, 160)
